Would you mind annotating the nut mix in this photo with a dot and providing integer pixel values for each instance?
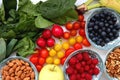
(113, 63)
(17, 69)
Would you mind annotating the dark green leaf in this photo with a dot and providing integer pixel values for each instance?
(2, 49)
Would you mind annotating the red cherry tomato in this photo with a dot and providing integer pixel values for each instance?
(76, 25)
(66, 35)
(82, 32)
(41, 61)
(81, 17)
(69, 26)
(69, 51)
(63, 60)
(39, 67)
(78, 46)
(83, 24)
(44, 53)
(34, 59)
(73, 32)
(85, 42)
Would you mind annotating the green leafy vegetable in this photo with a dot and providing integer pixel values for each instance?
(71, 15)
(40, 22)
(55, 8)
(25, 47)
(10, 47)
(2, 49)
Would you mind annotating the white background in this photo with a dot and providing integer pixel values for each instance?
(102, 53)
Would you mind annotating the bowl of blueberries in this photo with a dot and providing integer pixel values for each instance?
(103, 28)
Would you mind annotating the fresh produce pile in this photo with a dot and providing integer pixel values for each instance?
(47, 33)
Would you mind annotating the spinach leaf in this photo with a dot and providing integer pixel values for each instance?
(2, 49)
(25, 47)
(41, 22)
(55, 8)
(10, 47)
(70, 15)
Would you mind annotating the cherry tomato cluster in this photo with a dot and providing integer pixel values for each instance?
(38, 58)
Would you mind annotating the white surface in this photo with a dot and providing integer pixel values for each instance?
(102, 53)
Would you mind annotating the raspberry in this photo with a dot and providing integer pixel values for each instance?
(83, 75)
(86, 56)
(87, 68)
(69, 70)
(73, 60)
(78, 76)
(79, 56)
(81, 70)
(90, 72)
(92, 66)
(88, 77)
(75, 72)
(73, 77)
(78, 66)
(83, 63)
(95, 61)
(89, 62)
(96, 71)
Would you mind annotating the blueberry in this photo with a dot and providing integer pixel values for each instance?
(90, 29)
(96, 22)
(111, 26)
(102, 19)
(106, 24)
(108, 18)
(117, 26)
(105, 12)
(110, 22)
(107, 40)
(103, 34)
(91, 24)
(114, 30)
(102, 43)
(98, 42)
(95, 27)
(102, 15)
(100, 30)
(110, 34)
(105, 21)
(91, 35)
(93, 19)
(96, 16)
(101, 24)
(94, 39)
(116, 35)
(114, 19)
(108, 30)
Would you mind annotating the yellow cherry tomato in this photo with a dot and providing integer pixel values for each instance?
(58, 47)
(79, 39)
(52, 52)
(65, 45)
(49, 60)
(72, 41)
(60, 54)
(56, 61)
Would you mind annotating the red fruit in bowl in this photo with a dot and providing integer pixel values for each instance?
(46, 34)
(87, 68)
(88, 76)
(95, 61)
(73, 60)
(41, 42)
(96, 71)
(79, 56)
(86, 56)
(50, 42)
(73, 77)
(89, 62)
(57, 31)
(78, 76)
(78, 66)
(69, 70)
(83, 63)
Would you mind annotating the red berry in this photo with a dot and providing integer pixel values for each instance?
(46, 34)
(83, 75)
(78, 76)
(69, 70)
(73, 60)
(91, 71)
(79, 56)
(81, 70)
(75, 72)
(78, 46)
(78, 66)
(86, 56)
(76, 25)
(88, 77)
(81, 17)
(96, 71)
(83, 63)
(87, 68)
(89, 62)
(92, 66)
(83, 24)
(95, 61)
(73, 77)
(82, 32)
